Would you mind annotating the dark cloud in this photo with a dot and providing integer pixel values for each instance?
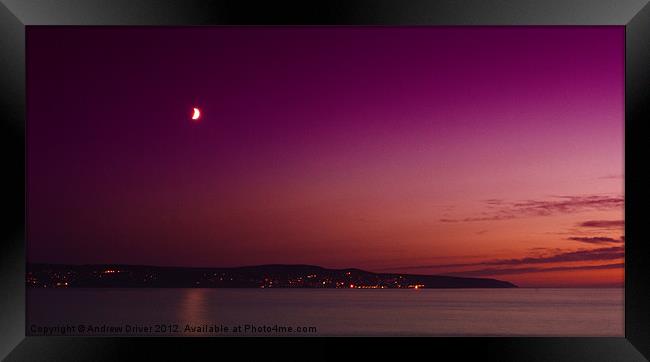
(597, 239)
(598, 254)
(500, 210)
(494, 271)
(612, 177)
(482, 218)
(605, 224)
(568, 204)
(608, 253)
(494, 202)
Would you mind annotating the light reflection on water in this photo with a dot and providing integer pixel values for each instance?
(559, 312)
(194, 305)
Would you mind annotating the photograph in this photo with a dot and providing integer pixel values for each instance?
(326, 181)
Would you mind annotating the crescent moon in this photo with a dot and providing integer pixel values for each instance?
(197, 114)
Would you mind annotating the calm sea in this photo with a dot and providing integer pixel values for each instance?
(326, 312)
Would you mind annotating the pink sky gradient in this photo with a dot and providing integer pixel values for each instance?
(375, 148)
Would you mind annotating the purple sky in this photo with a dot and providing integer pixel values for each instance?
(342, 147)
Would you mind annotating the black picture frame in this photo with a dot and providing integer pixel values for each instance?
(16, 15)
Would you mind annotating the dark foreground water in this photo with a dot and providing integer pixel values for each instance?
(300, 312)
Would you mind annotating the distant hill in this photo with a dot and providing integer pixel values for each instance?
(259, 276)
